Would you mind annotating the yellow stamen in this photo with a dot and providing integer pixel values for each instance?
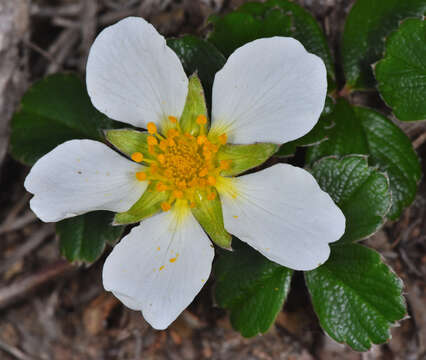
(137, 156)
(161, 158)
(153, 168)
(171, 133)
(180, 163)
(151, 149)
(152, 141)
(165, 206)
(163, 145)
(161, 187)
(225, 164)
(203, 172)
(201, 139)
(223, 139)
(178, 194)
(201, 119)
(141, 175)
(207, 155)
(152, 128)
(211, 180)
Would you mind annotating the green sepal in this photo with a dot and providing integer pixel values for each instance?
(129, 141)
(209, 214)
(195, 105)
(245, 157)
(147, 205)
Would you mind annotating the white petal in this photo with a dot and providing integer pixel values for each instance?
(139, 271)
(80, 176)
(282, 212)
(133, 76)
(269, 90)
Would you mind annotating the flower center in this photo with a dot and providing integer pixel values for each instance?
(181, 163)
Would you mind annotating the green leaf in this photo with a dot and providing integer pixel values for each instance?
(367, 25)
(273, 18)
(55, 109)
(195, 105)
(356, 297)
(208, 213)
(315, 136)
(361, 192)
(360, 130)
(237, 28)
(244, 157)
(198, 56)
(83, 238)
(252, 288)
(401, 75)
(147, 205)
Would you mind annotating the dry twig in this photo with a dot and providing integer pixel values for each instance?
(16, 291)
(15, 352)
(33, 242)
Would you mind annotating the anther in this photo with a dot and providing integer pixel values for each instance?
(211, 180)
(165, 206)
(203, 172)
(171, 133)
(173, 119)
(152, 140)
(137, 156)
(225, 164)
(178, 194)
(161, 158)
(161, 187)
(201, 139)
(201, 120)
(223, 139)
(141, 175)
(163, 145)
(153, 168)
(152, 128)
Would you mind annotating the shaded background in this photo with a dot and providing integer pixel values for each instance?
(50, 309)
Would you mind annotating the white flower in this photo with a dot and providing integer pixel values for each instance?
(270, 90)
